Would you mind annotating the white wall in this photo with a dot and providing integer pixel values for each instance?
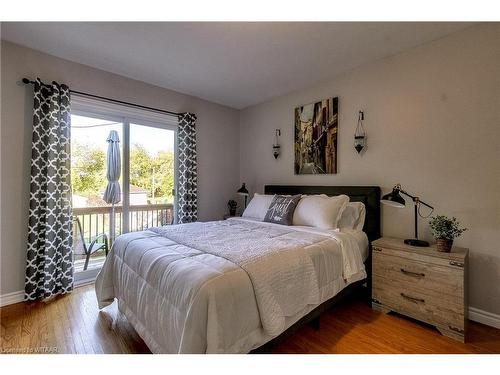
(432, 117)
(217, 138)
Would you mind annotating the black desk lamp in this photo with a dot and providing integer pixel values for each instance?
(394, 199)
(243, 191)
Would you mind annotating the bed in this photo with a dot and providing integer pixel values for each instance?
(238, 285)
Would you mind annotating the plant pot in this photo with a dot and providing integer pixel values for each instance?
(232, 212)
(444, 245)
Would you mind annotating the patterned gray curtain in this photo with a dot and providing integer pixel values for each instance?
(49, 269)
(187, 187)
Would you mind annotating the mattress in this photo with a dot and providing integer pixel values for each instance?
(228, 286)
(361, 239)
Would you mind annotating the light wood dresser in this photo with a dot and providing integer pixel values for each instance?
(422, 283)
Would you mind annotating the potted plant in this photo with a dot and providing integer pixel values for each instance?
(232, 207)
(445, 230)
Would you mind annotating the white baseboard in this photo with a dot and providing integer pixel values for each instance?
(475, 314)
(16, 297)
(484, 317)
(11, 298)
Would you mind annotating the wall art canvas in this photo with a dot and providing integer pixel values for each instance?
(316, 132)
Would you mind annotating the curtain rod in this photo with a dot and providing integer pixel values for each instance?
(26, 81)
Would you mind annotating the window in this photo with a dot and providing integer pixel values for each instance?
(148, 176)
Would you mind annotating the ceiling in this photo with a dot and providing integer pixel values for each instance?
(236, 64)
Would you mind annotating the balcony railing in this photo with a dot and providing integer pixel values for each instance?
(96, 221)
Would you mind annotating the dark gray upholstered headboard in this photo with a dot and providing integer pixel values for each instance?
(369, 195)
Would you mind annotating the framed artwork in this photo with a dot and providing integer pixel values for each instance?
(316, 132)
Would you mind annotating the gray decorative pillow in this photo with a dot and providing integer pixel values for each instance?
(281, 209)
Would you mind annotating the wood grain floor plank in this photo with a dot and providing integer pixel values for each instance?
(63, 333)
(74, 324)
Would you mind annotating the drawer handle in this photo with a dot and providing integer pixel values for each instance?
(458, 264)
(377, 249)
(456, 329)
(412, 298)
(414, 274)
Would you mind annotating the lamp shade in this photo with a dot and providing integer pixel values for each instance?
(243, 190)
(393, 199)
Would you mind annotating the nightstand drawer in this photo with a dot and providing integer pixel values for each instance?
(397, 286)
(415, 275)
(425, 256)
(418, 305)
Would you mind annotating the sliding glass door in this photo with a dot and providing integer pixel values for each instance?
(148, 178)
(92, 215)
(151, 177)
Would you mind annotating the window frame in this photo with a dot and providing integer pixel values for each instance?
(105, 110)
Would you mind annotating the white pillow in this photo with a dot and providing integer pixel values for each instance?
(258, 206)
(320, 211)
(353, 216)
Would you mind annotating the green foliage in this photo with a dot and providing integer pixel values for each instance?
(88, 169)
(232, 204)
(152, 173)
(445, 228)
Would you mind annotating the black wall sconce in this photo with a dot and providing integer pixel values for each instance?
(276, 145)
(360, 134)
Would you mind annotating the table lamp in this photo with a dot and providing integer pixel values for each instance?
(243, 191)
(395, 199)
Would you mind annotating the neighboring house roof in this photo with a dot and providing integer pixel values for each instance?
(96, 200)
(137, 190)
(133, 190)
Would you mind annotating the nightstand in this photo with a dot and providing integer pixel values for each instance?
(421, 283)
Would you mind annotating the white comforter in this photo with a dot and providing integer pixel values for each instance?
(225, 286)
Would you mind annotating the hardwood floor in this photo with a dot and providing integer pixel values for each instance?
(73, 324)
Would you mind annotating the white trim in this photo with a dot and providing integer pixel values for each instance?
(176, 174)
(101, 107)
(83, 282)
(83, 276)
(484, 317)
(125, 218)
(17, 297)
(11, 298)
